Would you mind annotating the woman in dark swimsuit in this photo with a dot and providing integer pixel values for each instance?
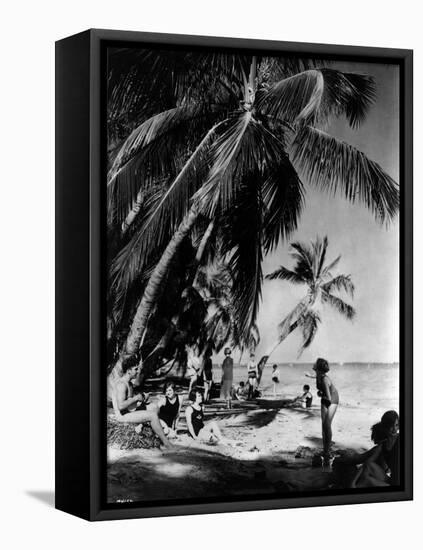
(194, 413)
(169, 409)
(329, 403)
(381, 466)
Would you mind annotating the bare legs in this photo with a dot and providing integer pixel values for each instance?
(140, 417)
(327, 416)
(211, 429)
(207, 385)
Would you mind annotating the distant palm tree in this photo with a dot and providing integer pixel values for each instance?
(228, 139)
(311, 271)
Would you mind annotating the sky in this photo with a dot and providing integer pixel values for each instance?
(370, 252)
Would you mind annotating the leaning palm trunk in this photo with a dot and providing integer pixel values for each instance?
(289, 325)
(291, 328)
(167, 337)
(127, 222)
(155, 283)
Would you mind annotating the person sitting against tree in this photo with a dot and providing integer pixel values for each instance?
(132, 408)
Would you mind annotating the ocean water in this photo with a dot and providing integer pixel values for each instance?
(359, 384)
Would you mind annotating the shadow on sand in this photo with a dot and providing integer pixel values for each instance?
(197, 472)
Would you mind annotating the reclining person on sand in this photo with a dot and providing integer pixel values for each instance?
(132, 408)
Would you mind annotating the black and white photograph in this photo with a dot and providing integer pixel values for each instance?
(253, 274)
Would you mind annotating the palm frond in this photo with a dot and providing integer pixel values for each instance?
(224, 161)
(291, 321)
(286, 275)
(241, 230)
(304, 258)
(346, 310)
(319, 247)
(326, 270)
(246, 146)
(309, 325)
(335, 166)
(340, 282)
(283, 200)
(144, 134)
(314, 95)
(156, 149)
(163, 218)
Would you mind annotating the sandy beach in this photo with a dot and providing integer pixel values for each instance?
(270, 451)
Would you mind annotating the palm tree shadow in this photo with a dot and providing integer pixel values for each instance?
(46, 497)
(256, 419)
(306, 413)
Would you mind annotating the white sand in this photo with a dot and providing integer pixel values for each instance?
(259, 459)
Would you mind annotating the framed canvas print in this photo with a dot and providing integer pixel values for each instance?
(234, 274)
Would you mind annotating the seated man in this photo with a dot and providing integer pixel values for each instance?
(132, 408)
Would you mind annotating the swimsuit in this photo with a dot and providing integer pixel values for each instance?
(208, 370)
(169, 411)
(334, 396)
(197, 417)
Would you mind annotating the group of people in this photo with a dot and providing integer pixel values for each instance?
(163, 415)
(243, 390)
(378, 467)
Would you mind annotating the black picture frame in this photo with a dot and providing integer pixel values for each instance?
(80, 257)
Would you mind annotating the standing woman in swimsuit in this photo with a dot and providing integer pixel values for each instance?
(329, 403)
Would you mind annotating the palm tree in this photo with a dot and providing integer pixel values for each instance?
(311, 270)
(236, 132)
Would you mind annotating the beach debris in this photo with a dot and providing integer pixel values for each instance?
(303, 452)
(123, 436)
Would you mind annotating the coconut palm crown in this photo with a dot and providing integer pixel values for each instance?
(312, 271)
(232, 139)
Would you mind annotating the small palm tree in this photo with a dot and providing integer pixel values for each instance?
(311, 270)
